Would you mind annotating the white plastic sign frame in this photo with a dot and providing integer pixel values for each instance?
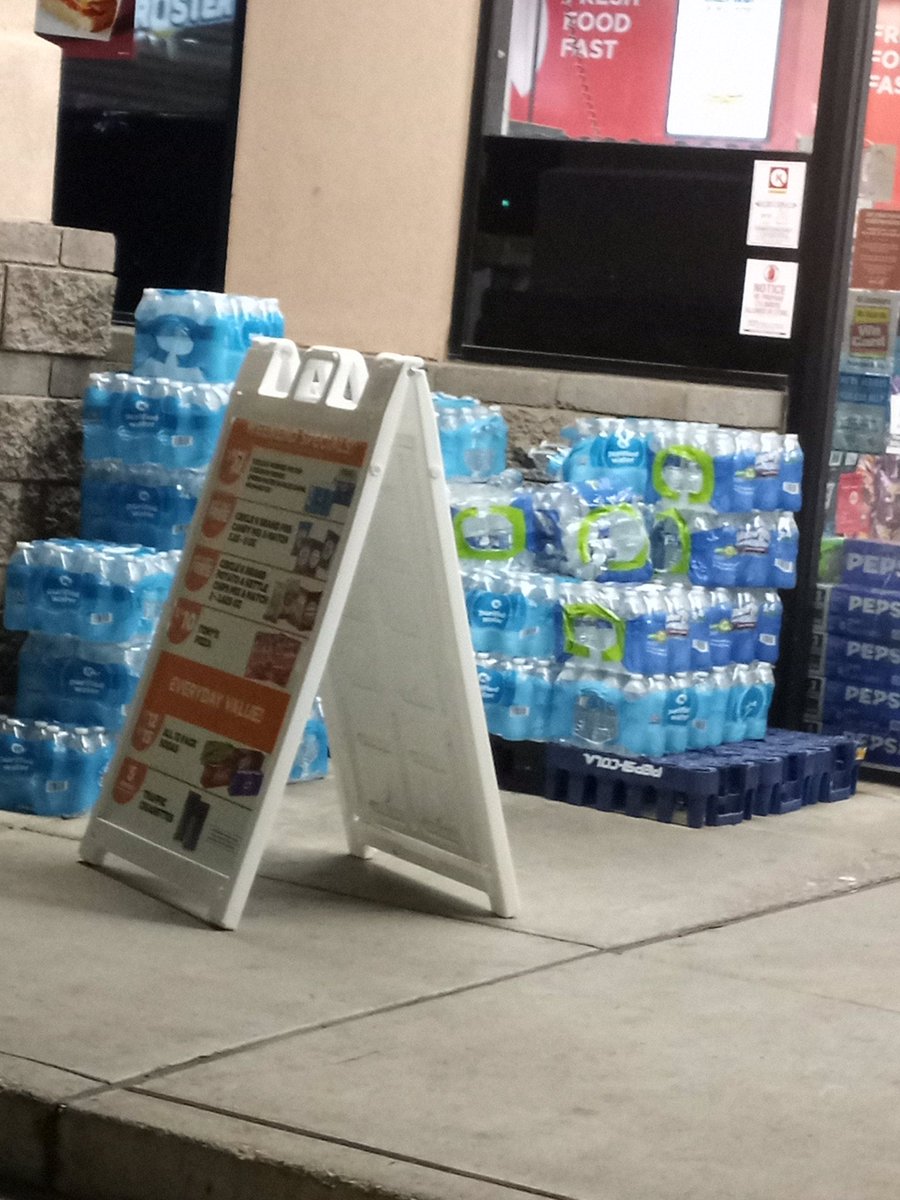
(279, 543)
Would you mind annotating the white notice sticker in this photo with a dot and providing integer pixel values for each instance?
(770, 289)
(776, 204)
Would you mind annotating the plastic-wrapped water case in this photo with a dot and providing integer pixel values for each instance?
(146, 504)
(138, 420)
(51, 770)
(75, 682)
(199, 337)
(93, 591)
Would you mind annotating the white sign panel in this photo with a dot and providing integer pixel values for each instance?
(254, 613)
(776, 204)
(723, 69)
(770, 289)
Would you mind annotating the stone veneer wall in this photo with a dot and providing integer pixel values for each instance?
(56, 297)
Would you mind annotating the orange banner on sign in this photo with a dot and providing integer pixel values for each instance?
(245, 437)
(234, 708)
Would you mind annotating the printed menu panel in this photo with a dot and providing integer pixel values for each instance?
(248, 599)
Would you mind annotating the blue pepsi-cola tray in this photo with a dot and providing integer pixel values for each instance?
(724, 786)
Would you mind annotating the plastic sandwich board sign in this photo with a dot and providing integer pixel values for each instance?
(322, 540)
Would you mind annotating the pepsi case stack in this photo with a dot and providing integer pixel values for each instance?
(854, 685)
(631, 602)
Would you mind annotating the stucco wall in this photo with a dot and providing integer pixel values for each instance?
(349, 169)
(29, 95)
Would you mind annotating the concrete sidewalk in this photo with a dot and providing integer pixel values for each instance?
(687, 1014)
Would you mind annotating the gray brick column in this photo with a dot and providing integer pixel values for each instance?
(56, 296)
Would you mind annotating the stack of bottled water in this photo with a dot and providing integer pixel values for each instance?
(473, 437)
(90, 610)
(149, 437)
(631, 603)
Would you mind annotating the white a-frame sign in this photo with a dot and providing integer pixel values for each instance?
(322, 539)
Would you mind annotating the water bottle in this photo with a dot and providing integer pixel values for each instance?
(744, 620)
(678, 629)
(494, 684)
(670, 543)
(754, 547)
(714, 550)
(720, 685)
(791, 477)
(758, 700)
(532, 631)
(785, 544)
(21, 576)
(721, 629)
(643, 716)
(492, 605)
(311, 761)
(19, 758)
(544, 673)
(679, 713)
(747, 450)
(699, 601)
(701, 728)
(770, 458)
(652, 629)
(274, 318)
(517, 719)
(553, 509)
(768, 627)
(96, 417)
(739, 703)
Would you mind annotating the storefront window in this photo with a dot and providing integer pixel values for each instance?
(613, 170)
(146, 141)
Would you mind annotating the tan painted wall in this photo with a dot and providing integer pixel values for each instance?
(349, 169)
(29, 96)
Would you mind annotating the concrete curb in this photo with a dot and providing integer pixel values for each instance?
(126, 1146)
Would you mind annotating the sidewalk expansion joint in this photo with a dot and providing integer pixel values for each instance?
(351, 1144)
(135, 1082)
(757, 914)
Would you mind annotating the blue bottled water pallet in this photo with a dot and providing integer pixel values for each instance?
(724, 786)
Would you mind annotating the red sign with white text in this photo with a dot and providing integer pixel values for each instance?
(594, 69)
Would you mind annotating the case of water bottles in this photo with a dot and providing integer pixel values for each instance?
(473, 437)
(49, 769)
(89, 590)
(65, 679)
(141, 420)
(199, 337)
(147, 504)
(587, 532)
(683, 463)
